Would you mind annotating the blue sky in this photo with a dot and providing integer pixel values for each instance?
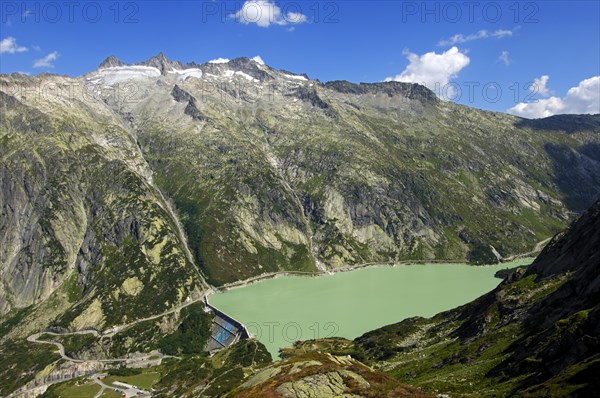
(463, 50)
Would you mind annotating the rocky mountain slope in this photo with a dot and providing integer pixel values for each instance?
(320, 375)
(80, 212)
(535, 335)
(264, 170)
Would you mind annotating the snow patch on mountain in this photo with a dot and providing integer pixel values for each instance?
(184, 74)
(295, 77)
(119, 74)
(231, 73)
(245, 76)
(258, 60)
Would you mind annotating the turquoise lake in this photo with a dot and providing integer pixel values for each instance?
(282, 310)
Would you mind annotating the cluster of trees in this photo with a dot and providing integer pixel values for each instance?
(191, 335)
(482, 254)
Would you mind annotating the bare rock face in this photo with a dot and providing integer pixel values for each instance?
(80, 216)
(56, 374)
(161, 62)
(318, 375)
(110, 62)
(575, 250)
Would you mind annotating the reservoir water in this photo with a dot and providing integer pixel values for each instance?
(282, 310)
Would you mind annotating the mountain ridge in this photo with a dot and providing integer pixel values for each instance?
(567, 122)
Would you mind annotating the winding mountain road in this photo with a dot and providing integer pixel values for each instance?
(34, 338)
(173, 310)
(538, 248)
(61, 348)
(96, 379)
(141, 361)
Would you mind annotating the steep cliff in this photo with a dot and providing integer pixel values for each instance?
(82, 222)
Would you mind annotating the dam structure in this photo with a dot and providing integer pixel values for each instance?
(225, 331)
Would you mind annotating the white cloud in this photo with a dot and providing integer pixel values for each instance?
(505, 58)
(258, 60)
(482, 34)
(264, 13)
(539, 86)
(500, 33)
(431, 69)
(9, 45)
(585, 98)
(219, 61)
(47, 61)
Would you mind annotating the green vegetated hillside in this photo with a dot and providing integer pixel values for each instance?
(126, 191)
